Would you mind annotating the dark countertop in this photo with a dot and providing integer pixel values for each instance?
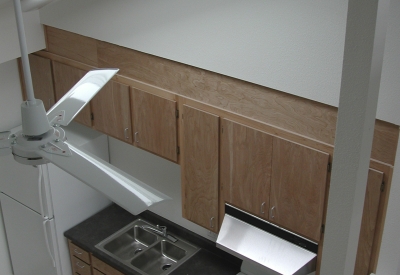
(209, 260)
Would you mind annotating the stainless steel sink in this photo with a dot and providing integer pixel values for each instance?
(138, 246)
(131, 242)
(159, 258)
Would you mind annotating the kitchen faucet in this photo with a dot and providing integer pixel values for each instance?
(160, 230)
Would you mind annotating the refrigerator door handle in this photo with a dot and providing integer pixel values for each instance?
(46, 237)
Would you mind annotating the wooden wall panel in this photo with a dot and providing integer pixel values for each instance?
(295, 114)
(300, 116)
(292, 113)
(71, 45)
(384, 144)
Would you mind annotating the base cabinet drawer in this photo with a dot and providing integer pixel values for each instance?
(103, 267)
(80, 267)
(78, 252)
(96, 272)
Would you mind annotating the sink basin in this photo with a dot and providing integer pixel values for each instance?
(159, 258)
(131, 242)
(145, 251)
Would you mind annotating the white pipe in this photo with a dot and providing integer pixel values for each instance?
(24, 52)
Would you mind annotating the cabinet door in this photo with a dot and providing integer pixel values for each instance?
(298, 183)
(42, 80)
(65, 77)
(368, 222)
(246, 156)
(112, 111)
(199, 167)
(154, 123)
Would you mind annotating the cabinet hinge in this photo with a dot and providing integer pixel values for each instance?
(177, 113)
(178, 150)
(382, 186)
(329, 167)
(91, 116)
(322, 228)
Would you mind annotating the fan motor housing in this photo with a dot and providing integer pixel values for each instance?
(24, 148)
(34, 118)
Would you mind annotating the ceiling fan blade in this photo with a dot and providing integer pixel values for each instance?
(5, 143)
(125, 190)
(64, 111)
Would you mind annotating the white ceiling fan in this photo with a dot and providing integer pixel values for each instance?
(42, 140)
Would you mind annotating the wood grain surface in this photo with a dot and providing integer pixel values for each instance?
(368, 223)
(42, 80)
(246, 156)
(71, 45)
(103, 267)
(199, 166)
(65, 77)
(155, 124)
(112, 111)
(299, 180)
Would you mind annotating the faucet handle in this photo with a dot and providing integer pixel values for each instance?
(164, 229)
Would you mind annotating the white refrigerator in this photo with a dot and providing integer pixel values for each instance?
(40, 203)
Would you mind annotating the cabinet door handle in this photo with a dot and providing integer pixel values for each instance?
(212, 222)
(80, 266)
(126, 133)
(136, 140)
(77, 252)
(262, 208)
(271, 212)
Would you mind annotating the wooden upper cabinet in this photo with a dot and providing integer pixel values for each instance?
(65, 77)
(246, 156)
(368, 222)
(298, 184)
(42, 80)
(112, 111)
(155, 124)
(199, 166)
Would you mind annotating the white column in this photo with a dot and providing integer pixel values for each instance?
(362, 67)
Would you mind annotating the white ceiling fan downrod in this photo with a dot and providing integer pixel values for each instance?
(34, 118)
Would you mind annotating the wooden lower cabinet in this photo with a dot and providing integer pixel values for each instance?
(102, 268)
(83, 263)
(200, 155)
(80, 260)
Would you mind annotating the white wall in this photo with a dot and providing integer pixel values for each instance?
(9, 47)
(293, 46)
(10, 117)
